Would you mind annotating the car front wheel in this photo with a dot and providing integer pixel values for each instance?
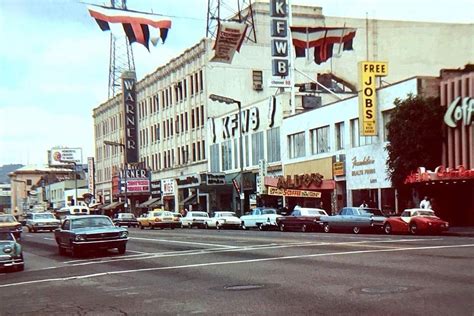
(122, 249)
(304, 229)
(387, 228)
(413, 229)
(356, 230)
(282, 227)
(326, 228)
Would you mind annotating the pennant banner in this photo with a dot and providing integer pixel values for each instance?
(319, 41)
(230, 36)
(135, 24)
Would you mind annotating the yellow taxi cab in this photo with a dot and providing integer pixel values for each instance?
(158, 218)
(9, 223)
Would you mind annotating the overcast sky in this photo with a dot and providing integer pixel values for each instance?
(54, 61)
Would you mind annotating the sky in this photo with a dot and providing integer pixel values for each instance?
(54, 61)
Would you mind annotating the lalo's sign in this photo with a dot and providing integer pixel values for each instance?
(293, 193)
(300, 181)
(460, 110)
(440, 173)
(130, 118)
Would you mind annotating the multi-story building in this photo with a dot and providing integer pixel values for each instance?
(175, 113)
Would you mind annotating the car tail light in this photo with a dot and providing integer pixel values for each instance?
(157, 219)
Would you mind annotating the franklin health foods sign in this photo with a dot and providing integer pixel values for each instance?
(130, 115)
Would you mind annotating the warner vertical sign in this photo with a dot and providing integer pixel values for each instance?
(130, 115)
(280, 44)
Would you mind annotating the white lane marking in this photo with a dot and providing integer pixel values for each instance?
(141, 252)
(184, 242)
(220, 250)
(197, 265)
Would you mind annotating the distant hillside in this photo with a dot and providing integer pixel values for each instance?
(5, 170)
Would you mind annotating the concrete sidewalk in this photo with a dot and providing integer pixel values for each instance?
(463, 231)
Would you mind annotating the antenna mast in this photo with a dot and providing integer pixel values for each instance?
(121, 55)
(244, 13)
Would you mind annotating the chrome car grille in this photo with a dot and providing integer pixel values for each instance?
(102, 236)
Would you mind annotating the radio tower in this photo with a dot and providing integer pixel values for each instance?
(218, 8)
(121, 55)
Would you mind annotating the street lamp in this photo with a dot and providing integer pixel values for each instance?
(218, 98)
(75, 177)
(116, 144)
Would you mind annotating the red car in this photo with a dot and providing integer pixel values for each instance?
(415, 221)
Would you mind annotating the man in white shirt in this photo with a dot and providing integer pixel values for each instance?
(425, 203)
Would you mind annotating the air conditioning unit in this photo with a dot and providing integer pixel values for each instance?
(257, 86)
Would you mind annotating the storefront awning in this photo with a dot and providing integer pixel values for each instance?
(189, 200)
(112, 206)
(151, 203)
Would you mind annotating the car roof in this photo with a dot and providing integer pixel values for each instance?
(85, 216)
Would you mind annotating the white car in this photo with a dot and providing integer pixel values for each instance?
(194, 218)
(41, 221)
(224, 219)
(260, 217)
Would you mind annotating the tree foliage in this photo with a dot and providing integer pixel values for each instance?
(415, 137)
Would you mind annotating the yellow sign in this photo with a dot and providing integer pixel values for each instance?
(293, 193)
(367, 99)
(338, 168)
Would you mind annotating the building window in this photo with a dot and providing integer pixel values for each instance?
(296, 145)
(339, 135)
(257, 79)
(357, 139)
(203, 144)
(386, 116)
(226, 155)
(214, 155)
(273, 144)
(257, 148)
(247, 151)
(320, 140)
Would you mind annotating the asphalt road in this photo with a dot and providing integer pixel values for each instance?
(193, 271)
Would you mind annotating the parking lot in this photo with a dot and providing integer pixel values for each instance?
(188, 271)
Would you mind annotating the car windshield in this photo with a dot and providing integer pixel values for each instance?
(44, 216)
(424, 213)
(315, 212)
(91, 222)
(7, 219)
(371, 211)
(200, 215)
(265, 212)
(221, 214)
(6, 236)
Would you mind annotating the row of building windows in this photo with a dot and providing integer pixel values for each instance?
(320, 141)
(171, 95)
(225, 156)
(108, 126)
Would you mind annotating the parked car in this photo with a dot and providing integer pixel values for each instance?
(302, 218)
(41, 221)
(415, 221)
(11, 254)
(195, 219)
(125, 219)
(223, 219)
(160, 219)
(90, 232)
(354, 219)
(9, 223)
(260, 217)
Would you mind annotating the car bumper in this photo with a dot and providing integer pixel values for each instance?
(100, 244)
(165, 224)
(9, 261)
(45, 226)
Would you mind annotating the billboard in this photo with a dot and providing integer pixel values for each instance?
(64, 156)
(368, 70)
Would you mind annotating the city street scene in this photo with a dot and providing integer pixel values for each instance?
(236, 157)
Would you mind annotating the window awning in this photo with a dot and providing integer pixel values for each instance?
(151, 203)
(189, 200)
(112, 206)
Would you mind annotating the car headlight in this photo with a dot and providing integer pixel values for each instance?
(80, 238)
(124, 234)
(7, 249)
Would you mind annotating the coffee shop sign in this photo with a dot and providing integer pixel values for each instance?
(459, 111)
